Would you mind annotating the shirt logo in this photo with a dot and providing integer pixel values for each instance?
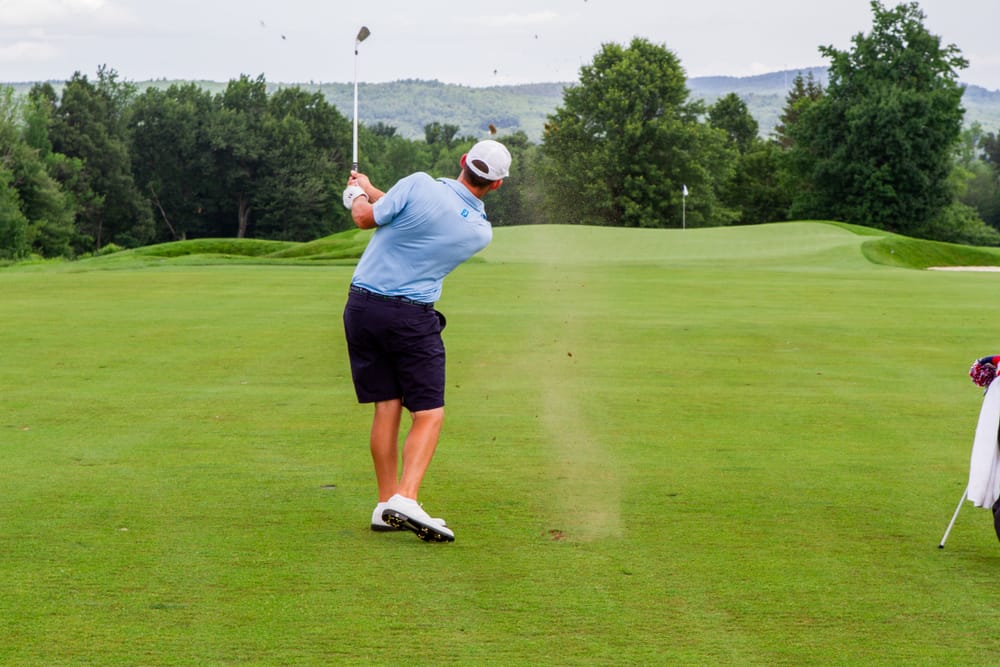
(465, 213)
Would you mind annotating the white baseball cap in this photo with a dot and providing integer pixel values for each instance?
(489, 159)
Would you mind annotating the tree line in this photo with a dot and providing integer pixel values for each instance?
(882, 145)
(104, 166)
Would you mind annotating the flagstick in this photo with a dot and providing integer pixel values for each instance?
(684, 201)
(955, 516)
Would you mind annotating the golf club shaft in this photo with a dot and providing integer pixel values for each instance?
(362, 36)
(354, 154)
(954, 516)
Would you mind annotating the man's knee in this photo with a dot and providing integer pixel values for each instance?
(429, 416)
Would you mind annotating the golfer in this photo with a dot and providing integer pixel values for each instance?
(425, 227)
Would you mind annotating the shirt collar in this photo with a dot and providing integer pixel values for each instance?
(463, 192)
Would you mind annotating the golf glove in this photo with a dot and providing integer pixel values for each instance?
(350, 192)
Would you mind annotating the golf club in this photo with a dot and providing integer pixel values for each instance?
(362, 36)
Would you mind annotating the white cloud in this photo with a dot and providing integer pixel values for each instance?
(983, 69)
(760, 68)
(46, 38)
(31, 13)
(513, 20)
(27, 51)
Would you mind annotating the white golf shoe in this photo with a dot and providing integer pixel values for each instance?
(380, 526)
(406, 513)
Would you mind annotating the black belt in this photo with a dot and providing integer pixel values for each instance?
(385, 297)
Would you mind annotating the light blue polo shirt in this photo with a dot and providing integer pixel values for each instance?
(426, 227)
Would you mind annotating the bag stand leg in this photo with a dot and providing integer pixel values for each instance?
(955, 516)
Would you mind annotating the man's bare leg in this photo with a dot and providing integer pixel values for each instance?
(418, 450)
(403, 510)
(385, 446)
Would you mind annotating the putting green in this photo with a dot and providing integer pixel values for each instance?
(788, 244)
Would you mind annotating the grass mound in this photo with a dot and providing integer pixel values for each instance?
(894, 250)
(220, 247)
(805, 244)
(345, 245)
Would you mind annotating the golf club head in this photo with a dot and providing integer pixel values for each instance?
(362, 34)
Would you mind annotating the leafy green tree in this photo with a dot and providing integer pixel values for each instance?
(517, 199)
(961, 223)
(239, 143)
(731, 115)
(173, 164)
(508, 205)
(308, 148)
(438, 134)
(89, 124)
(275, 161)
(804, 91)
(759, 187)
(981, 191)
(975, 181)
(46, 212)
(13, 223)
(627, 139)
(67, 171)
(383, 130)
(795, 166)
(48, 209)
(39, 106)
(989, 143)
(755, 187)
(387, 157)
(876, 149)
(442, 140)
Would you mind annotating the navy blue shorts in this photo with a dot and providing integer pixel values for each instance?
(395, 349)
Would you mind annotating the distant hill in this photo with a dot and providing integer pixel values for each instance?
(409, 105)
(765, 95)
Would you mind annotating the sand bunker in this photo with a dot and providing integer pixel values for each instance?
(963, 268)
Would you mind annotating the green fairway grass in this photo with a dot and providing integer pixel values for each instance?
(732, 446)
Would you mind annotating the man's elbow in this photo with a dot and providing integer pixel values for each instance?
(363, 217)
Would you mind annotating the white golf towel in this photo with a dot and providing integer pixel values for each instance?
(984, 466)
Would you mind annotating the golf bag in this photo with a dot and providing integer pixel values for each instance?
(984, 464)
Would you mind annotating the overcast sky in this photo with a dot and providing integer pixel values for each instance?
(469, 43)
